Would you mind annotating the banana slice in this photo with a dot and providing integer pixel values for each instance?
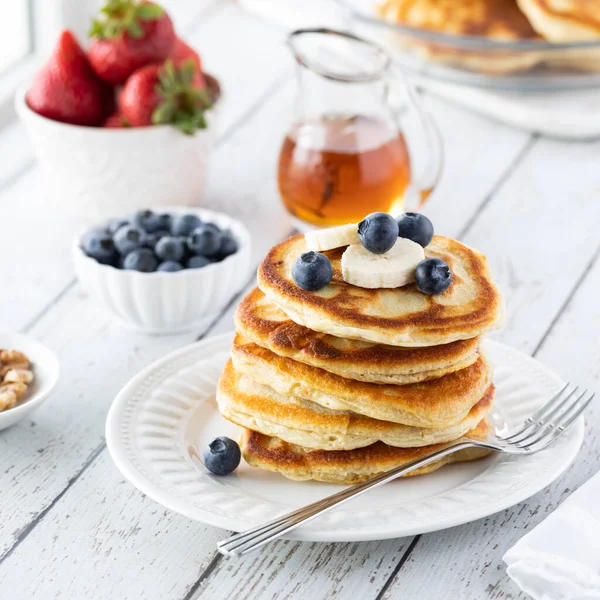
(333, 237)
(393, 269)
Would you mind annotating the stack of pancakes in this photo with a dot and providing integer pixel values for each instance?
(344, 383)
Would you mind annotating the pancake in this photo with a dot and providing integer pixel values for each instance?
(564, 20)
(258, 407)
(345, 466)
(262, 322)
(499, 20)
(471, 306)
(435, 404)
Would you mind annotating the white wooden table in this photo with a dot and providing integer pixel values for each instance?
(72, 528)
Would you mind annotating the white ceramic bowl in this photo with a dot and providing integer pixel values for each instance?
(169, 302)
(46, 370)
(93, 172)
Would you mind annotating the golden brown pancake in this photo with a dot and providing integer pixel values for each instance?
(404, 316)
(436, 404)
(499, 20)
(263, 323)
(298, 421)
(345, 466)
(494, 19)
(564, 20)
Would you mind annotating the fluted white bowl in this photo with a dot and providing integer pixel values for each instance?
(169, 302)
(92, 172)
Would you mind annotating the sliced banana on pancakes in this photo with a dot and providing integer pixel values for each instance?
(393, 269)
(333, 237)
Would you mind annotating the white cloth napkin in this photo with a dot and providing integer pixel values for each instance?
(573, 115)
(560, 558)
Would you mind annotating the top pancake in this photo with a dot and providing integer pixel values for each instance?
(262, 322)
(404, 316)
(495, 19)
(564, 20)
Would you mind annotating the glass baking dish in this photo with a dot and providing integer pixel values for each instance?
(479, 61)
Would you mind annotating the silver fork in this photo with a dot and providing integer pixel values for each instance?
(537, 432)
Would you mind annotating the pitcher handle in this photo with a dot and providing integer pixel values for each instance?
(424, 182)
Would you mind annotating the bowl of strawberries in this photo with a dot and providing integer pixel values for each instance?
(127, 122)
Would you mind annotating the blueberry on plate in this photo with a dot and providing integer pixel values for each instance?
(222, 456)
(115, 224)
(433, 276)
(99, 246)
(152, 239)
(170, 266)
(170, 248)
(312, 271)
(197, 262)
(142, 260)
(129, 238)
(378, 232)
(146, 220)
(205, 240)
(183, 225)
(228, 245)
(415, 227)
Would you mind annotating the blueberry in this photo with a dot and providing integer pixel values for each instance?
(115, 224)
(378, 232)
(183, 225)
(164, 222)
(142, 259)
(222, 456)
(433, 276)
(312, 271)
(170, 248)
(170, 266)
(129, 238)
(146, 220)
(228, 245)
(197, 262)
(99, 246)
(415, 227)
(205, 240)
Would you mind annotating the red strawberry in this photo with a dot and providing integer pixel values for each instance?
(115, 121)
(67, 89)
(182, 52)
(130, 35)
(159, 94)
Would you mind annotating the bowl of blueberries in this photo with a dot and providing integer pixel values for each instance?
(164, 271)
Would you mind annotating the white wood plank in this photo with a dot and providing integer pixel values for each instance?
(104, 519)
(39, 244)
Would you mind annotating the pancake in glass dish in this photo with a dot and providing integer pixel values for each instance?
(497, 20)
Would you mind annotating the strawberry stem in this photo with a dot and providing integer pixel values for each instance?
(120, 16)
(183, 104)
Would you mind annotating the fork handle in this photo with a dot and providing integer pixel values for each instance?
(252, 539)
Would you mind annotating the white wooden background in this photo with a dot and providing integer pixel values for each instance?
(72, 528)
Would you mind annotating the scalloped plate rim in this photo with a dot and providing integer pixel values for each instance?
(310, 532)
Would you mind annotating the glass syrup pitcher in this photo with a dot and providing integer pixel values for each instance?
(346, 153)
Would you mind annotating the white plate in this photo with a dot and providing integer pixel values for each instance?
(46, 370)
(169, 408)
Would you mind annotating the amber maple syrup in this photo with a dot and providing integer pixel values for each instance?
(337, 169)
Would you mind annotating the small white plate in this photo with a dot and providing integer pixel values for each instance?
(169, 408)
(46, 370)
